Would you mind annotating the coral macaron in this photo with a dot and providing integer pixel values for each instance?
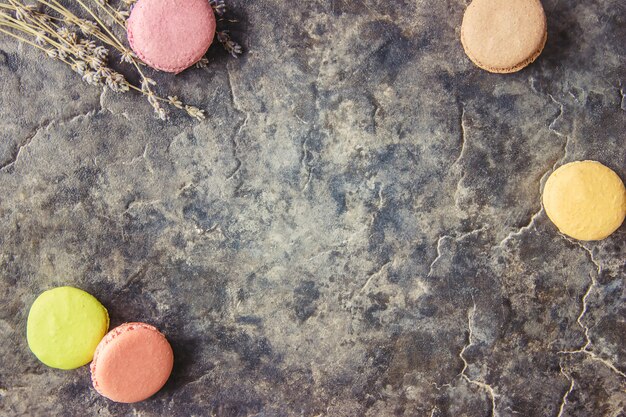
(132, 363)
(171, 35)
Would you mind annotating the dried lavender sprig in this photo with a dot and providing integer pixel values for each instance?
(67, 51)
(218, 6)
(87, 27)
(95, 74)
(83, 56)
(146, 82)
(203, 63)
(63, 39)
(231, 46)
(116, 15)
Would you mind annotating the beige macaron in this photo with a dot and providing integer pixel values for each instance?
(504, 36)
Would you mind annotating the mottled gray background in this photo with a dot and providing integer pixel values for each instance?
(355, 230)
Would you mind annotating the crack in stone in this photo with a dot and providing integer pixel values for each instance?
(488, 388)
(594, 357)
(235, 146)
(558, 116)
(585, 348)
(305, 163)
(322, 253)
(24, 144)
(522, 229)
(463, 134)
(558, 161)
(195, 381)
(41, 127)
(238, 108)
(301, 120)
(185, 187)
(139, 203)
(91, 112)
(375, 111)
(352, 236)
(137, 274)
(589, 252)
(103, 108)
(214, 228)
(583, 311)
(380, 205)
(457, 192)
(453, 238)
(439, 254)
(381, 201)
(412, 156)
(144, 157)
(374, 274)
(337, 246)
(622, 105)
(541, 181)
(237, 160)
(567, 393)
(532, 80)
(101, 100)
(440, 387)
(457, 162)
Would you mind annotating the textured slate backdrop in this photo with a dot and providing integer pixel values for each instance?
(356, 229)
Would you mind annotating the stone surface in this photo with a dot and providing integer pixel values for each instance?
(355, 230)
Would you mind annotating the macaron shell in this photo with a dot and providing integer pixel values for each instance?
(132, 363)
(504, 36)
(64, 327)
(585, 200)
(171, 35)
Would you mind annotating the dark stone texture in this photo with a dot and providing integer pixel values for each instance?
(355, 230)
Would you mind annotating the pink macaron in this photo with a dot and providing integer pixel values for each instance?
(131, 363)
(171, 35)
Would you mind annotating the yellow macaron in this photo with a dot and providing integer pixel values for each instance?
(585, 200)
(64, 327)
